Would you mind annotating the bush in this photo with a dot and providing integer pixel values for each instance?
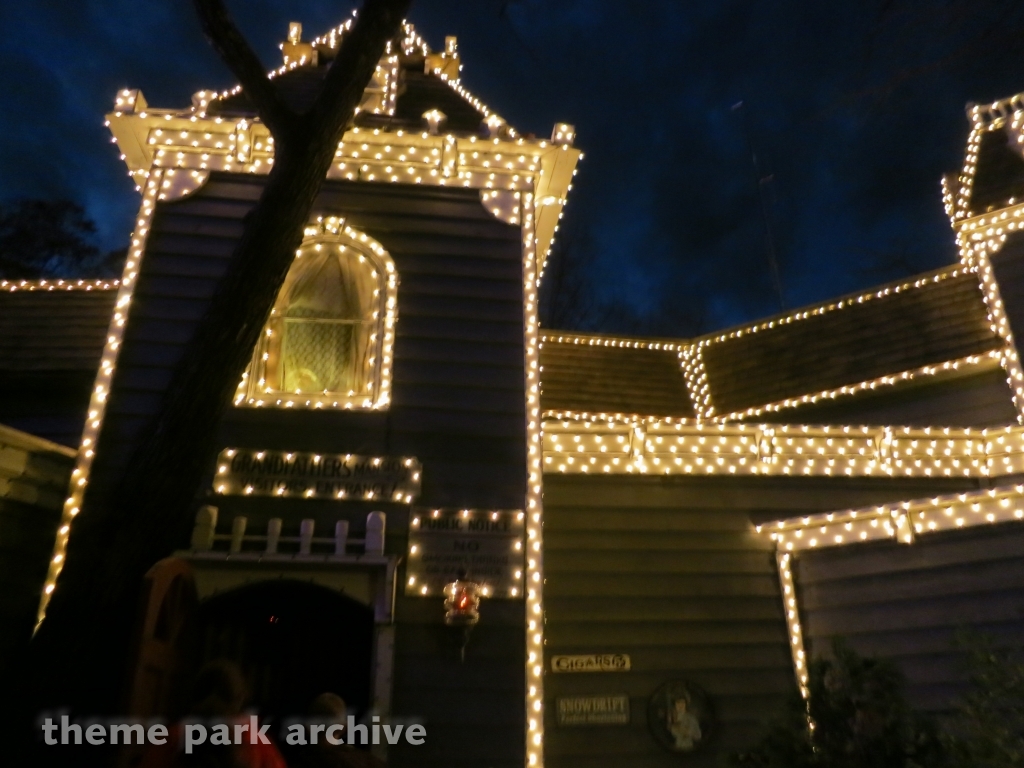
(987, 730)
(860, 720)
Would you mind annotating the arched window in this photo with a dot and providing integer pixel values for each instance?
(328, 341)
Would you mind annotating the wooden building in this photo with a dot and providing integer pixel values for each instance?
(658, 524)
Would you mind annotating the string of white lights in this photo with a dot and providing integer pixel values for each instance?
(101, 388)
(684, 447)
(50, 284)
(332, 234)
(691, 361)
(534, 500)
(791, 609)
(937, 370)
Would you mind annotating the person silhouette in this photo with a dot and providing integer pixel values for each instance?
(218, 697)
(329, 709)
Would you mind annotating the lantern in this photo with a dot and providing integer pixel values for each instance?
(462, 608)
(461, 602)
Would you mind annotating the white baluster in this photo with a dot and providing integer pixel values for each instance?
(273, 535)
(237, 533)
(340, 537)
(206, 525)
(306, 536)
(375, 523)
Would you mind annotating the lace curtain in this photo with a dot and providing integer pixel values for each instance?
(323, 320)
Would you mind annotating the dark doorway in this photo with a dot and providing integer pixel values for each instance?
(293, 640)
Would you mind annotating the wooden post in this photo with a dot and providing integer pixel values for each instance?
(206, 525)
(237, 533)
(375, 522)
(340, 537)
(306, 536)
(273, 535)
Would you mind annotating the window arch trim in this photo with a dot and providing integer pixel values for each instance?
(333, 232)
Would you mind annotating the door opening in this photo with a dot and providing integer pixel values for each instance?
(293, 640)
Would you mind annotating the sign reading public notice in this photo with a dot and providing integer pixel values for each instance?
(317, 476)
(486, 544)
(612, 709)
(591, 662)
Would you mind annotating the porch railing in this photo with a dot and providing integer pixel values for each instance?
(205, 537)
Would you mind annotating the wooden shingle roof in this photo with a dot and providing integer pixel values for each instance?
(51, 341)
(50, 347)
(56, 330)
(596, 375)
(905, 330)
(938, 317)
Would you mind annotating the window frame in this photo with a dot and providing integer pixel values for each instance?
(333, 232)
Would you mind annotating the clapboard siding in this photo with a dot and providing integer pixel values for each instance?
(671, 571)
(680, 635)
(978, 400)
(472, 373)
(458, 405)
(645, 567)
(710, 503)
(908, 603)
(443, 351)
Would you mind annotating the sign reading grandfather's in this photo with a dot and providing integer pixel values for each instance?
(243, 472)
(486, 544)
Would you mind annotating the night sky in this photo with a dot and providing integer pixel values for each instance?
(855, 108)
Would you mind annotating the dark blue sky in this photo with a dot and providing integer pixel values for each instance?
(855, 106)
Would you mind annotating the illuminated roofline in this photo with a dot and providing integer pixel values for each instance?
(587, 444)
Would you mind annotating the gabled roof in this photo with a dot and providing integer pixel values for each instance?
(992, 176)
(595, 374)
(416, 124)
(930, 333)
(410, 81)
(894, 329)
(55, 325)
(51, 341)
(417, 92)
(51, 337)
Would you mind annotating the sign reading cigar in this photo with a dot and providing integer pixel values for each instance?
(591, 662)
(481, 545)
(317, 476)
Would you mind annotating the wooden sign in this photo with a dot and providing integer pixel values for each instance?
(487, 544)
(317, 476)
(592, 662)
(612, 709)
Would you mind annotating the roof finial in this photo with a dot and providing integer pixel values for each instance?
(296, 52)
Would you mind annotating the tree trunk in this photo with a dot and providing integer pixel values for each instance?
(78, 655)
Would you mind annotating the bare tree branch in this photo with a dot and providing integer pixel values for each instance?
(131, 522)
(361, 50)
(235, 51)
